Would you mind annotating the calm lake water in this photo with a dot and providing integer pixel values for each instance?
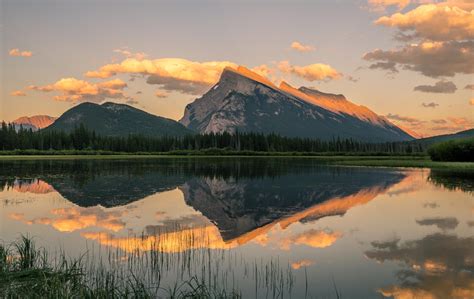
(267, 227)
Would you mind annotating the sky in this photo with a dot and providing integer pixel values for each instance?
(411, 61)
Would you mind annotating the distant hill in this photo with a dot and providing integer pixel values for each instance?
(247, 102)
(35, 122)
(440, 138)
(111, 119)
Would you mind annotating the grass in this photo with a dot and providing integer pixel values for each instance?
(412, 161)
(29, 272)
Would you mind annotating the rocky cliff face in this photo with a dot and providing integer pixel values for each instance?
(246, 102)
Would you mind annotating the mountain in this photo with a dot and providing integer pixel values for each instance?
(111, 119)
(245, 101)
(35, 122)
(440, 138)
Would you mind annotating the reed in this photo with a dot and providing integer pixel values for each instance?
(28, 271)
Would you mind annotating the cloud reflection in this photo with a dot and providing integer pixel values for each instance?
(437, 266)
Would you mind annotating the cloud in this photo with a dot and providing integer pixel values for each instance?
(75, 90)
(301, 263)
(469, 86)
(352, 79)
(442, 223)
(430, 105)
(312, 72)
(161, 94)
(404, 119)
(437, 266)
(453, 124)
(183, 86)
(390, 244)
(301, 48)
(471, 102)
(432, 59)
(173, 74)
(264, 70)
(389, 66)
(127, 53)
(435, 126)
(380, 5)
(313, 238)
(439, 87)
(76, 218)
(435, 22)
(18, 93)
(18, 53)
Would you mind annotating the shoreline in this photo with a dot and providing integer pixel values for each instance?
(339, 160)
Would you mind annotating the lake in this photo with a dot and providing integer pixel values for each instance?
(272, 227)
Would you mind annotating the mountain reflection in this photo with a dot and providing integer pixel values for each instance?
(241, 199)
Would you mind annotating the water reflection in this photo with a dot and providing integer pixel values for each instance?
(436, 266)
(244, 199)
(417, 225)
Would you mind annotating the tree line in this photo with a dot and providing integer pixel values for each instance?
(81, 138)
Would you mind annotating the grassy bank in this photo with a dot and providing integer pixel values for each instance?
(346, 159)
(205, 152)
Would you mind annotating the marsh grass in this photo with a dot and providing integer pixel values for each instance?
(27, 271)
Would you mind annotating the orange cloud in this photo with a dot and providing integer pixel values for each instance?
(178, 68)
(75, 90)
(433, 127)
(301, 263)
(313, 238)
(312, 72)
(301, 48)
(264, 70)
(433, 22)
(18, 53)
(72, 219)
(18, 93)
(471, 102)
(172, 74)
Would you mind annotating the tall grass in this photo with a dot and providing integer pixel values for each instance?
(29, 272)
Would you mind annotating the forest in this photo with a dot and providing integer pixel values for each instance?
(83, 139)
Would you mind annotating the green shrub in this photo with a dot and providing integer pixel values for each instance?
(461, 150)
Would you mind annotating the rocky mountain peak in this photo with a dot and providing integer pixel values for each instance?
(245, 101)
(35, 122)
(244, 72)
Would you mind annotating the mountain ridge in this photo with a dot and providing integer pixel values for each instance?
(113, 119)
(245, 101)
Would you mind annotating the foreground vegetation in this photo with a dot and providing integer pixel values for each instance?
(29, 272)
(453, 150)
